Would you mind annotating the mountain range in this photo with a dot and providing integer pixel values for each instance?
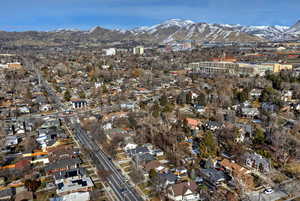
(168, 31)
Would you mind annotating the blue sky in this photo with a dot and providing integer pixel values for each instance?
(19, 15)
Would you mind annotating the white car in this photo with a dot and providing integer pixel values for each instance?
(268, 191)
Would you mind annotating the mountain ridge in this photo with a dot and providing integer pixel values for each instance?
(165, 32)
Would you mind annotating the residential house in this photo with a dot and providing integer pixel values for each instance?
(287, 95)
(166, 179)
(73, 184)
(77, 104)
(193, 124)
(107, 126)
(185, 191)
(11, 140)
(149, 146)
(158, 152)
(154, 165)
(141, 159)
(7, 193)
(254, 160)
(50, 122)
(69, 173)
(239, 172)
(249, 112)
(61, 165)
(24, 110)
(213, 125)
(77, 196)
(244, 130)
(128, 106)
(268, 107)
(138, 150)
(212, 176)
(62, 152)
(255, 93)
(199, 108)
(296, 106)
(180, 171)
(129, 146)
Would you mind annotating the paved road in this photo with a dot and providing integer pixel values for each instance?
(117, 182)
(260, 196)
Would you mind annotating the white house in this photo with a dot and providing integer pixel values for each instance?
(24, 110)
(107, 126)
(185, 191)
(11, 140)
(130, 146)
(79, 104)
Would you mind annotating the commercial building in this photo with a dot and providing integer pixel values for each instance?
(110, 51)
(138, 50)
(237, 68)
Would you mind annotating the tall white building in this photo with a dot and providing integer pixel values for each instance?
(138, 50)
(110, 51)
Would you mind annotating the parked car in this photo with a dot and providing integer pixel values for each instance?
(268, 191)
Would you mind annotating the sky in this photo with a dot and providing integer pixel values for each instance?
(21, 15)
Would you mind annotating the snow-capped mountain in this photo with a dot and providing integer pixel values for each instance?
(295, 29)
(168, 31)
(176, 29)
(268, 32)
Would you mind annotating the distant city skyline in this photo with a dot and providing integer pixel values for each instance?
(46, 15)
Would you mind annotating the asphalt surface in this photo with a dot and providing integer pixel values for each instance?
(117, 182)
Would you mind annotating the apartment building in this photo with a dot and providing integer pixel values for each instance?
(237, 68)
(138, 50)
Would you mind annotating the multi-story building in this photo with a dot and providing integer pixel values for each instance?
(237, 68)
(110, 51)
(138, 50)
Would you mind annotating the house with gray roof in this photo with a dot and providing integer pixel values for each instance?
(254, 160)
(7, 194)
(212, 176)
(62, 165)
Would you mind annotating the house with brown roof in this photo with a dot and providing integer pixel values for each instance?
(239, 172)
(192, 123)
(62, 152)
(155, 165)
(183, 191)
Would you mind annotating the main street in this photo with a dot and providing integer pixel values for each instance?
(118, 183)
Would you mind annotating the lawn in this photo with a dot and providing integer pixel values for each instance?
(125, 164)
(278, 178)
(121, 156)
(98, 185)
(128, 169)
(161, 158)
(142, 186)
(45, 195)
(147, 192)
